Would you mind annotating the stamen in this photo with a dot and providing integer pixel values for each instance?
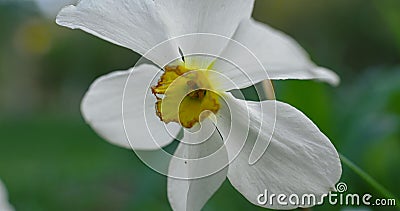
(181, 53)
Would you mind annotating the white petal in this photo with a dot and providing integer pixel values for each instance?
(300, 159)
(132, 24)
(50, 8)
(192, 194)
(4, 204)
(257, 44)
(103, 103)
(239, 122)
(218, 18)
(144, 24)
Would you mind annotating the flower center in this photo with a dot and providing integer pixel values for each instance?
(183, 95)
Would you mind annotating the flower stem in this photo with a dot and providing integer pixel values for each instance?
(268, 89)
(386, 193)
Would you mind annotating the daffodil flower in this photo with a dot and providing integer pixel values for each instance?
(202, 50)
(4, 205)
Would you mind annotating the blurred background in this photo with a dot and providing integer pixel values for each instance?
(51, 160)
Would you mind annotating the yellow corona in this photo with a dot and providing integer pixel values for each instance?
(183, 94)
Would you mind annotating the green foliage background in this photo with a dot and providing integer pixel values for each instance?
(51, 160)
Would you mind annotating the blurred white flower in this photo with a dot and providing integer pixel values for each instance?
(4, 204)
(50, 8)
(299, 159)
